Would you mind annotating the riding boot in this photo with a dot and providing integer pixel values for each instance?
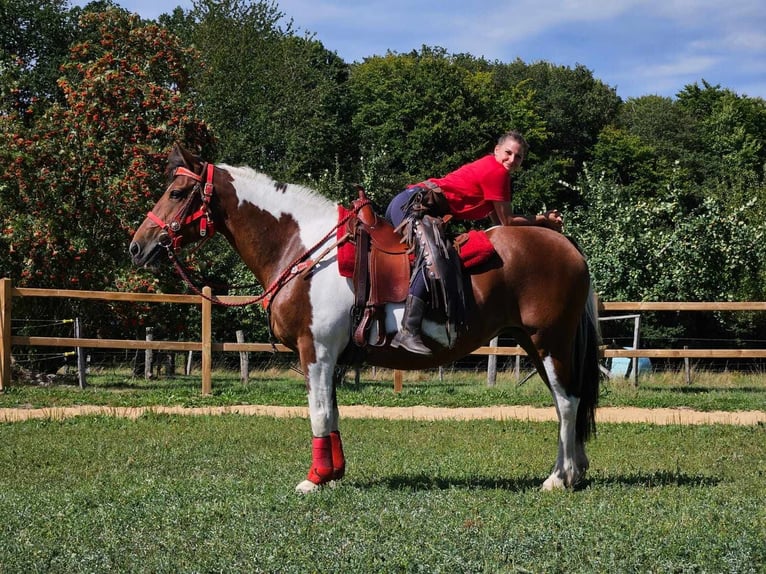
(408, 336)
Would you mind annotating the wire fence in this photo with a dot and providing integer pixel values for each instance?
(46, 346)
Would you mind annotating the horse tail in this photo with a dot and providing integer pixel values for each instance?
(586, 369)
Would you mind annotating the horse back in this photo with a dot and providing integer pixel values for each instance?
(537, 274)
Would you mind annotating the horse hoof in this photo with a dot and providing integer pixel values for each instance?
(553, 483)
(307, 487)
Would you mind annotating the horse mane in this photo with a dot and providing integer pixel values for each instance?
(264, 186)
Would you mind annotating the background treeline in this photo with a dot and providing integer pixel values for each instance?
(665, 195)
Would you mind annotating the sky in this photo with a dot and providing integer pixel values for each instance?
(638, 47)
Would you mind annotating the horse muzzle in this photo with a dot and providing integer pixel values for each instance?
(148, 258)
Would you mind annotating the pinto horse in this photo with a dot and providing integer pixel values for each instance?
(538, 289)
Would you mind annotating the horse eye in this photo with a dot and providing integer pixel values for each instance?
(177, 193)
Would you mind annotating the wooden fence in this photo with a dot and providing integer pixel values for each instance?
(206, 346)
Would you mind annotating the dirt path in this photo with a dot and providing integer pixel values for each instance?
(604, 415)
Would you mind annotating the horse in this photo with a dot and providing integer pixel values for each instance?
(538, 289)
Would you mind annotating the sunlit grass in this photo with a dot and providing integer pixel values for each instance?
(215, 494)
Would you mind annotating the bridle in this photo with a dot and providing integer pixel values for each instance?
(170, 238)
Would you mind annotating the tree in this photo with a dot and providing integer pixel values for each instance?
(76, 182)
(35, 37)
(574, 107)
(657, 248)
(729, 131)
(708, 141)
(278, 101)
(626, 159)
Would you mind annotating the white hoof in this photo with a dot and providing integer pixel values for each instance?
(560, 480)
(307, 487)
(553, 482)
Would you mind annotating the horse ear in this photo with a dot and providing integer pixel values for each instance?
(180, 156)
(176, 156)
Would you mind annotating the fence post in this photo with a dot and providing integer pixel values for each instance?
(492, 365)
(81, 366)
(5, 333)
(207, 343)
(170, 364)
(398, 381)
(148, 355)
(244, 365)
(687, 368)
(636, 339)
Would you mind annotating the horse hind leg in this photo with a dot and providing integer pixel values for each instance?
(571, 460)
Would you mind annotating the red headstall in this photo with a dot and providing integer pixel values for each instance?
(181, 219)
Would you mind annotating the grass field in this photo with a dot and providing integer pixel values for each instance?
(215, 494)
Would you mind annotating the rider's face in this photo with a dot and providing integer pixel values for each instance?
(510, 153)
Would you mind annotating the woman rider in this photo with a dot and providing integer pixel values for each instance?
(474, 191)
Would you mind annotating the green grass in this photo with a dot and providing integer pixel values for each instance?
(709, 391)
(215, 494)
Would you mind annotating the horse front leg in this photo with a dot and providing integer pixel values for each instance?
(328, 462)
(571, 461)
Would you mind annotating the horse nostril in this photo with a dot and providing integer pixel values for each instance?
(134, 249)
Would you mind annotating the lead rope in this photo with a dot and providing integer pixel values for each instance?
(299, 265)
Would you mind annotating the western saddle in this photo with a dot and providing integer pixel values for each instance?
(381, 271)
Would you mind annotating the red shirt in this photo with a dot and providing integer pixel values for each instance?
(471, 189)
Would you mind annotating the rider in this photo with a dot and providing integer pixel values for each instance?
(476, 190)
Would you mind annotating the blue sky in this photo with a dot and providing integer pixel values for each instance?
(639, 47)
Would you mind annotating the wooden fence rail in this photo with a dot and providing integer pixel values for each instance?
(206, 346)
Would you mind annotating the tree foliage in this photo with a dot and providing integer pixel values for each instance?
(77, 182)
(277, 101)
(35, 37)
(575, 107)
(656, 249)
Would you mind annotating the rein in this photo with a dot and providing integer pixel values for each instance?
(207, 229)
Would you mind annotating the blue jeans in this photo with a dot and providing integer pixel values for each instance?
(395, 215)
(395, 211)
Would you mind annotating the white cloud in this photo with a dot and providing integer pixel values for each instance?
(745, 40)
(680, 67)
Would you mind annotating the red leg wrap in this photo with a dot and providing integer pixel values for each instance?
(321, 460)
(338, 460)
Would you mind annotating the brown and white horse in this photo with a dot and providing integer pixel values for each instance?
(538, 290)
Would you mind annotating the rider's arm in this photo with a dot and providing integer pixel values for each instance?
(503, 215)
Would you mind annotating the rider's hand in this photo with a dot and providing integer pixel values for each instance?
(554, 220)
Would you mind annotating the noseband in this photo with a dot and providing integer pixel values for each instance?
(171, 238)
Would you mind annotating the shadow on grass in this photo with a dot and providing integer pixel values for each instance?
(417, 482)
(702, 390)
(652, 480)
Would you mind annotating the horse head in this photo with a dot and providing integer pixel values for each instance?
(183, 213)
